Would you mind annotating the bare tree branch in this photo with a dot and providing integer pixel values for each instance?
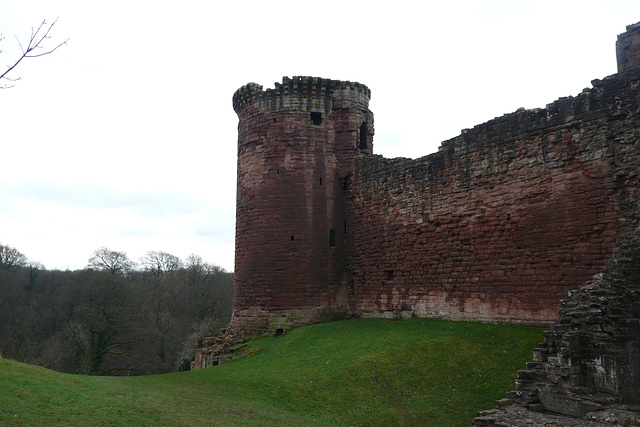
(34, 49)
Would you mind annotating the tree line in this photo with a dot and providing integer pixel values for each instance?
(115, 317)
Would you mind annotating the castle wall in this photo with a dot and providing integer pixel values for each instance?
(504, 219)
(496, 226)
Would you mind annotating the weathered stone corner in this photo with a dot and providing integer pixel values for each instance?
(224, 347)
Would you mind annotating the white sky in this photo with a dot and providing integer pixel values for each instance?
(126, 137)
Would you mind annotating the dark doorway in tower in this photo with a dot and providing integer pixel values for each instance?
(316, 118)
(363, 136)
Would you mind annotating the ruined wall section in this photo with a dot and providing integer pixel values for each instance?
(296, 145)
(505, 219)
(588, 366)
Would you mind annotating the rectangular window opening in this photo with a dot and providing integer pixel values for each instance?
(332, 238)
(316, 118)
(363, 136)
(292, 239)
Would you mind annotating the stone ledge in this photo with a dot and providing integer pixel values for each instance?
(517, 416)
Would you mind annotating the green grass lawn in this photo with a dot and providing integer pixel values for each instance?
(356, 372)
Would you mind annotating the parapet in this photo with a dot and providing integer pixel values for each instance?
(290, 93)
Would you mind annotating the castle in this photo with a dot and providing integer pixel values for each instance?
(497, 226)
(500, 225)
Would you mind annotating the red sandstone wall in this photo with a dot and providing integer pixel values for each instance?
(505, 219)
(496, 226)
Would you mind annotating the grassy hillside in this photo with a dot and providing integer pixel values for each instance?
(358, 372)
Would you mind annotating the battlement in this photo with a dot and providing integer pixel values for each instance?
(293, 90)
(613, 94)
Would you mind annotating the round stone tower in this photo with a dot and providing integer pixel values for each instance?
(296, 149)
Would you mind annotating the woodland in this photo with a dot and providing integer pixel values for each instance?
(114, 317)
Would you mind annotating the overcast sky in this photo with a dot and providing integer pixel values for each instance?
(126, 137)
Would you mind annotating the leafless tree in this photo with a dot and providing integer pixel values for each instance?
(159, 263)
(116, 263)
(198, 270)
(33, 49)
(10, 258)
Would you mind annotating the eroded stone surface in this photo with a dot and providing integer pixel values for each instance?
(516, 416)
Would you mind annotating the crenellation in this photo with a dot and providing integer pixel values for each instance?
(302, 93)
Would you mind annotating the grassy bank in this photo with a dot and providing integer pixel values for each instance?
(358, 372)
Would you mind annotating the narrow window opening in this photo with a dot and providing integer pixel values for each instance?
(278, 171)
(390, 274)
(345, 184)
(320, 181)
(345, 226)
(316, 118)
(292, 239)
(363, 136)
(275, 120)
(332, 238)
